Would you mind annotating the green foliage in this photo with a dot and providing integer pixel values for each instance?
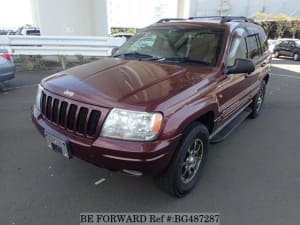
(123, 30)
(81, 59)
(279, 24)
(131, 31)
(261, 16)
(115, 31)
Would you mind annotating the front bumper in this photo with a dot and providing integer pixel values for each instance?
(149, 158)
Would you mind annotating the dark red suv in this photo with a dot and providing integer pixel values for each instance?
(156, 104)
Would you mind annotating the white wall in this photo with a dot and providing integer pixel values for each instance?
(71, 17)
(244, 7)
(92, 17)
(140, 13)
(100, 18)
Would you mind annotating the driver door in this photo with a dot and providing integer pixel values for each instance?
(232, 94)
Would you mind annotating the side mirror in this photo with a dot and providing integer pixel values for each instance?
(241, 66)
(114, 50)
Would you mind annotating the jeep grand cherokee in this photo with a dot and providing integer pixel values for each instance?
(156, 104)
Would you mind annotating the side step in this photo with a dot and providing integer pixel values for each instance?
(221, 134)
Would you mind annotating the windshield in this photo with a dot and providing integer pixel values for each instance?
(201, 45)
(298, 43)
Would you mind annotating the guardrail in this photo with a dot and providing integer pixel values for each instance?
(60, 45)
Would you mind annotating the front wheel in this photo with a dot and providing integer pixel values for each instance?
(188, 162)
(296, 57)
(276, 54)
(258, 100)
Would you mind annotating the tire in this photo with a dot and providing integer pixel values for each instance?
(276, 54)
(187, 163)
(258, 100)
(296, 56)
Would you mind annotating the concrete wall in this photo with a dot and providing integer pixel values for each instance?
(71, 17)
(90, 17)
(244, 7)
(100, 18)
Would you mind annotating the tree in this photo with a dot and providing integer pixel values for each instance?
(261, 16)
(268, 26)
(281, 22)
(295, 27)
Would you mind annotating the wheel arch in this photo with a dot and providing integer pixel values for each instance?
(181, 120)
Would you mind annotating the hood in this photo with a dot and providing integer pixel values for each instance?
(115, 82)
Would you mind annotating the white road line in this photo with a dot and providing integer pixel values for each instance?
(100, 181)
(282, 75)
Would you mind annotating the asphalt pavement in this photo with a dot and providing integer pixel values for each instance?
(251, 178)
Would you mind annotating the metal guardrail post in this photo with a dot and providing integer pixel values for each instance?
(63, 62)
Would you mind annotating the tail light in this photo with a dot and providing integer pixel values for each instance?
(5, 56)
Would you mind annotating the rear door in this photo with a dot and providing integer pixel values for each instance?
(283, 48)
(291, 47)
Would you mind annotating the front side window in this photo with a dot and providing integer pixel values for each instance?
(284, 44)
(238, 49)
(192, 45)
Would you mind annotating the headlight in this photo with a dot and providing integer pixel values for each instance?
(38, 97)
(132, 125)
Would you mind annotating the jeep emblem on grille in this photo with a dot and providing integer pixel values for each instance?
(68, 93)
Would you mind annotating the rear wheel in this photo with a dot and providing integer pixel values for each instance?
(296, 57)
(258, 100)
(188, 162)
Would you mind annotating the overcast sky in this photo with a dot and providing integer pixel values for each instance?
(15, 13)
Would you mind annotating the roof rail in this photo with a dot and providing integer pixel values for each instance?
(223, 19)
(169, 19)
(226, 19)
(205, 17)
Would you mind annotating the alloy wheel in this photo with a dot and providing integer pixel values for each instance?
(192, 161)
(260, 99)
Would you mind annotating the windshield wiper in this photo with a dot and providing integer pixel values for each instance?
(185, 60)
(135, 55)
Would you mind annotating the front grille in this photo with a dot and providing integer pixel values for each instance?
(72, 117)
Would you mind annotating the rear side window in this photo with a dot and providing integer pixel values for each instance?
(263, 41)
(254, 50)
(291, 44)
